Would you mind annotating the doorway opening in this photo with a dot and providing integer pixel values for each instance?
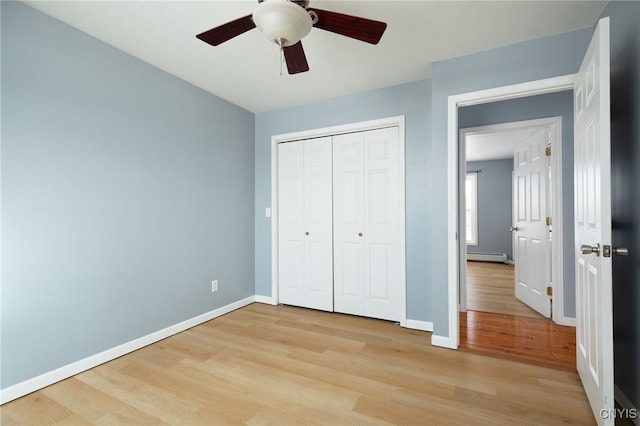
(509, 192)
(513, 189)
(522, 90)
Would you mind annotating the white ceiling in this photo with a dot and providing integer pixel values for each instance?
(496, 145)
(246, 69)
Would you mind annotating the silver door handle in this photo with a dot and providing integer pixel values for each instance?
(513, 228)
(621, 251)
(586, 249)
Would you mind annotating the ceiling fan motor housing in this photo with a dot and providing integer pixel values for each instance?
(282, 21)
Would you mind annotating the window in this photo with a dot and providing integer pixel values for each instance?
(471, 206)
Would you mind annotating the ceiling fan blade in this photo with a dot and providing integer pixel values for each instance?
(351, 26)
(224, 32)
(295, 58)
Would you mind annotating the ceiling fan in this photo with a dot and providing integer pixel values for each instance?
(286, 22)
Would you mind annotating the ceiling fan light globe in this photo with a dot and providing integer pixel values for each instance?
(282, 21)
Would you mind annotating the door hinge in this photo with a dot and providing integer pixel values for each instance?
(549, 291)
(548, 221)
(547, 151)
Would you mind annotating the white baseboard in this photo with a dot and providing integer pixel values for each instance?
(419, 325)
(443, 342)
(572, 322)
(268, 300)
(627, 405)
(488, 257)
(31, 385)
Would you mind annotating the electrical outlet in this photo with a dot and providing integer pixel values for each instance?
(214, 286)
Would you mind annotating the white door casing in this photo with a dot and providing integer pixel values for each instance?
(531, 236)
(520, 90)
(592, 158)
(368, 226)
(305, 223)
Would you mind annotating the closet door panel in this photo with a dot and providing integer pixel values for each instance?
(367, 221)
(379, 255)
(318, 218)
(378, 191)
(305, 254)
(349, 283)
(384, 242)
(291, 223)
(348, 194)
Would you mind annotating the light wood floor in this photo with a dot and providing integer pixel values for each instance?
(281, 365)
(490, 288)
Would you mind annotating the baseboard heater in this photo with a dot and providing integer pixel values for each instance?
(488, 257)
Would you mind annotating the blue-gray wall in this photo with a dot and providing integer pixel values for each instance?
(532, 60)
(625, 208)
(125, 191)
(410, 100)
(559, 104)
(494, 206)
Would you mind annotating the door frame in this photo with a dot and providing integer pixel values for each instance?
(397, 121)
(555, 211)
(531, 88)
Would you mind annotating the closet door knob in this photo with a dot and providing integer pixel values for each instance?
(359, 234)
(306, 233)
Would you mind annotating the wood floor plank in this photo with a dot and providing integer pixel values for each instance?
(155, 403)
(271, 417)
(525, 339)
(74, 420)
(190, 389)
(491, 288)
(303, 368)
(280, 365)
(33, 406)
(320, 335)
(87, 401)
(128, 415)
(429, 412)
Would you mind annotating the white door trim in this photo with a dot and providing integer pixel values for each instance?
(397, 121)
(531, 88)
(555, 126)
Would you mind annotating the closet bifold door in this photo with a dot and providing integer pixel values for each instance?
(368, 231)
(305, 252)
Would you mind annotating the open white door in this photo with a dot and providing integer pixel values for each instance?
(594, 313)
(531, 235)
